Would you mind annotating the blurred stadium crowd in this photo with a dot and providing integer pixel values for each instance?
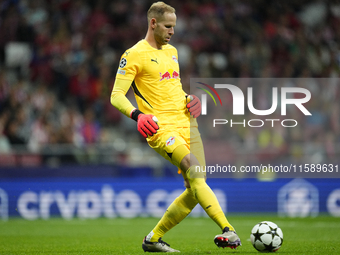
(58, 60)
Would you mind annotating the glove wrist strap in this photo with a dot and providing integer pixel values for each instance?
(135, 114)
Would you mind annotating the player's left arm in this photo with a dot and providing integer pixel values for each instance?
(194, 105)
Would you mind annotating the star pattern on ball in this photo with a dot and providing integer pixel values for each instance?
(272, 231)
(257, 236)
(263, 236)
(269, 247)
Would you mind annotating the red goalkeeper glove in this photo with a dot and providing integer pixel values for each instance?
(146, 123)
(194, 106)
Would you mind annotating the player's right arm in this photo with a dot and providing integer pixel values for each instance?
(146, 123)
(119, 99)
(129, 66)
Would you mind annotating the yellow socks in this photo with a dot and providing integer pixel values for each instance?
(200, 193)
(206, 198)
(176, 212)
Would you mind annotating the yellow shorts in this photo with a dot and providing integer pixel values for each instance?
(168, 138)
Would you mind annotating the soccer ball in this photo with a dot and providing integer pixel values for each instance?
(266, 236)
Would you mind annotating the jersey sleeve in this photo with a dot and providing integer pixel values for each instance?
(118, 98)
(129, 66)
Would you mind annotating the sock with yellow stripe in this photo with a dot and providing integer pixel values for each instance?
(206, 198)
(176, 212)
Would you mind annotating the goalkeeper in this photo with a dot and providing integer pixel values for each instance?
(165, 116)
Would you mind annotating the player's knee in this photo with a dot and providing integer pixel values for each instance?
(195, 172)
(188, 161)
(187, 184)
(185, 163)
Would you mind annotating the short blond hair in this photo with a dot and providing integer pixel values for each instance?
(158, 9)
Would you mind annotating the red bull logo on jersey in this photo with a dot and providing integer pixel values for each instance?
(175, 75)
(170, 141)
(170, 74)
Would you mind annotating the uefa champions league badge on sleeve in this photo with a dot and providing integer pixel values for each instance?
(122, 63)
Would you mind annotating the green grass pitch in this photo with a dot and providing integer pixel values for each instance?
(320, 235)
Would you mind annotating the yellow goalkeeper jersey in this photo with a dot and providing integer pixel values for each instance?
(156, 82)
